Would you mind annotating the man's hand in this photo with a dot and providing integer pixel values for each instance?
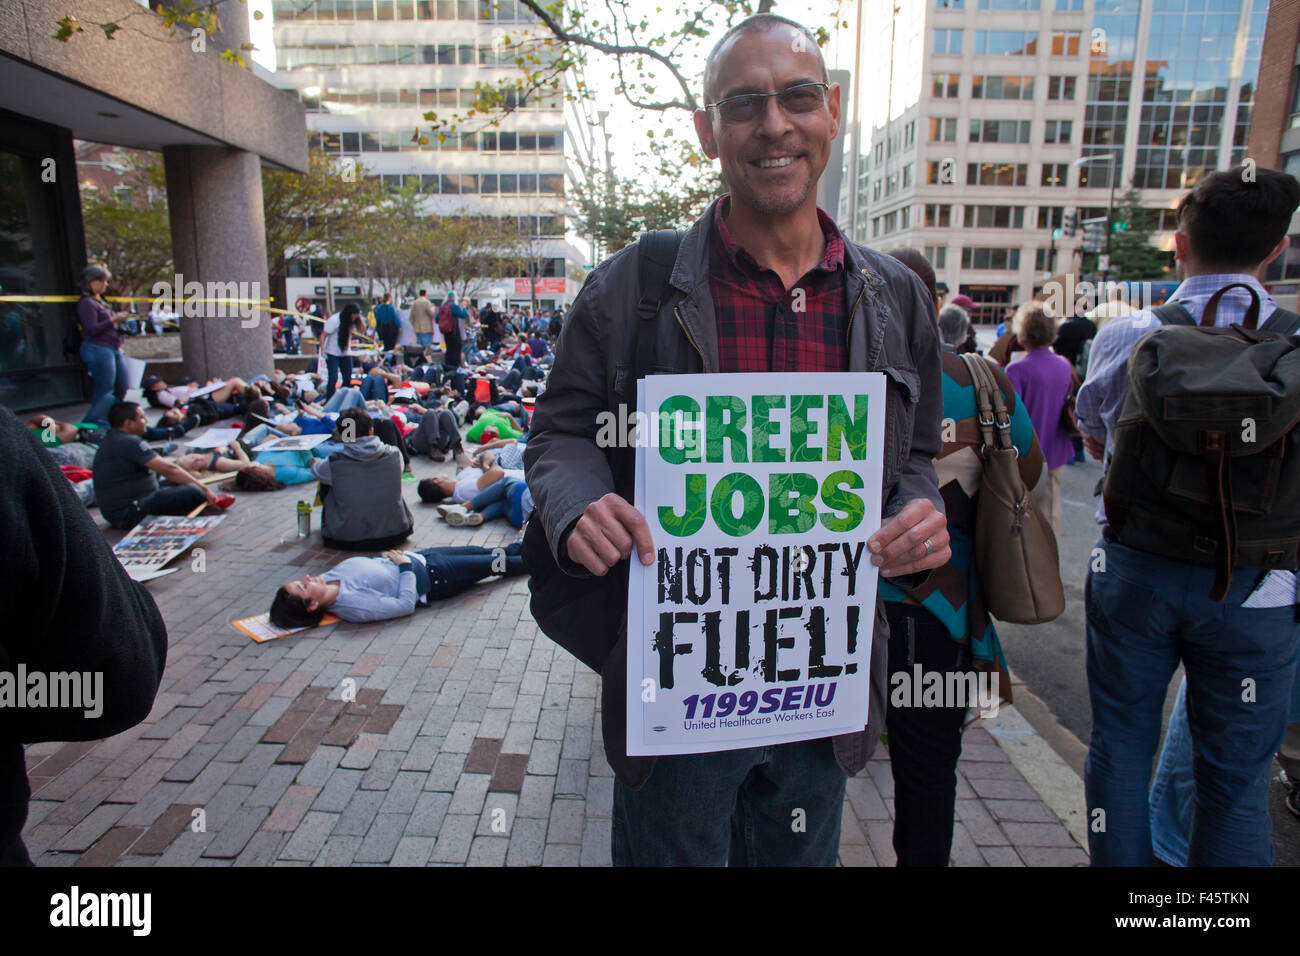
(209, 494)
(1096, 447)
(899, 546)
(397, 557)
(605, 534)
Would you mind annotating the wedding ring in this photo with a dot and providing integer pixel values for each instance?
(929, 547)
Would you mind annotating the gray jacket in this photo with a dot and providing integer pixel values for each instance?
(364, 510)
(892, 329)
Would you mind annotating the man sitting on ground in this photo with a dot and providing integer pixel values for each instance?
(364, 509)
(390, 585)
(125, 469)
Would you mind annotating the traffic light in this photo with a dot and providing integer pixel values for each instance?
(1071, 221)
(1094, 234)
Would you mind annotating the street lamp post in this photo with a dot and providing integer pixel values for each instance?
(1110, 207)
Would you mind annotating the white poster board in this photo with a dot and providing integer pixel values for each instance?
(754, 624)
(292, 443)
(212, 438)
(157, 539)
(134, 371)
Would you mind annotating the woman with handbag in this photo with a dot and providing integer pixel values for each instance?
(1045, 383)
(942, 626)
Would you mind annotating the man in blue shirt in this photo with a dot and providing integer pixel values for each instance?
(1146, 612)
(387, 323)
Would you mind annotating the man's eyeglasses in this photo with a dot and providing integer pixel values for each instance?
(804, 98)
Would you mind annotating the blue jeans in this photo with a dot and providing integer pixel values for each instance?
(505, 497)
(167, 500)
(1145, 613)
(1173, 792)
(108, 380)
(344, 398)
(736, 808)
(374, 387)
(424, 339)
(452, 570)
(333, 365)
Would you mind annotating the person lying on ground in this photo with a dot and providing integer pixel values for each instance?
(484, 418)
(469, 481)
(507, 498)
(390, 585)
(161, 395)
(126, 474)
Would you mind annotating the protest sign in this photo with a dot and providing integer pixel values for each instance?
(754, 624)
(261, 630)
(157, 539)
(292, 443)
(212, 438)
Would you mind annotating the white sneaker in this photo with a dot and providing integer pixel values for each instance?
(459, 516)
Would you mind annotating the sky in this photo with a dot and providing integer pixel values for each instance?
(626, 123)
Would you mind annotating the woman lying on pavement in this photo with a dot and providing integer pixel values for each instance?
(391, 584)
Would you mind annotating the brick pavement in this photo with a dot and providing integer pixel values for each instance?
(472, 739)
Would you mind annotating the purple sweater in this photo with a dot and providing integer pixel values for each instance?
(1042, 379)
(96, 321)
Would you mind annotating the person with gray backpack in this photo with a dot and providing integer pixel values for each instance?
(1194, 406)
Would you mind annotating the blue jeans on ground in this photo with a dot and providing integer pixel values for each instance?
(374, 387)
(452, 570)
(108, 379)
(505, 497)
(344, 398)
(1145, 613)
(734, 808)
(334, 364)
(167, 500)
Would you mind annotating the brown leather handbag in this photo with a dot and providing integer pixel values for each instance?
(1015, 548)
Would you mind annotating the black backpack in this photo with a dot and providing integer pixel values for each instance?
(582, 614)
(1206, 463)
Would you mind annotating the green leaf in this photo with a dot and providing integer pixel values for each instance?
(109, 29)
(68, 25)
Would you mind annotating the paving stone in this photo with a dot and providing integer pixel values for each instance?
(1052, 856)
(454, 839)
(560, 855)
(360, 755)
(309, 836)
(855, 855)
(413, 851)
(470, 792)
(596, 842)
(446, 772)
(338, 790)
(262, 849)
(430, 809)
(488, 851)
(110, 847)
(1023, 811)
(1003, 789)
(535, 797)
(964, 852)
(983, 829)
(273, 786)
(566, 821)
(169, 825)
(482, 756)
(360, 813)
(316, 771)
(571, 781)
(382, 838)
(381, 722)
(545, 758)
(339, 850)
(293, 806)
(95, 825)
(1022, 835)
(527, 843)
(194, 763)
(1001, 856)
(403, 793)
(989, 771)
(232, 836)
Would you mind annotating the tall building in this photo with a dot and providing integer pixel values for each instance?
(368, 70)
(980, 122)
(1275, 131)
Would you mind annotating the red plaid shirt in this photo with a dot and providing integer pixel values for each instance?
(758, 329)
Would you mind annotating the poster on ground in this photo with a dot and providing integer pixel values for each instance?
(754, 624)
(157, 539)
(292, 443)
(261, 630)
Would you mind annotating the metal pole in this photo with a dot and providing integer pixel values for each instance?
(1110, 216)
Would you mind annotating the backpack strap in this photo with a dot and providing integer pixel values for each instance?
(1171, 313)
(1283, 321)
(656, 253)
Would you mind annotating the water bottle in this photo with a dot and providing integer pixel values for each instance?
(304, 519)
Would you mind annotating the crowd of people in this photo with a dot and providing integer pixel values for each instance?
(1163, 589)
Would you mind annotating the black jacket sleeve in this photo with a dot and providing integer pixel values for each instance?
(68, 605)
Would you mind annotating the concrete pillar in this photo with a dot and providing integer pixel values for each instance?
(214, 195)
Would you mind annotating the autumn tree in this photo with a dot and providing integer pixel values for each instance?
(127, 229)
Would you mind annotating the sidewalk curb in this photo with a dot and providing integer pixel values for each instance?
(1045, 770)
